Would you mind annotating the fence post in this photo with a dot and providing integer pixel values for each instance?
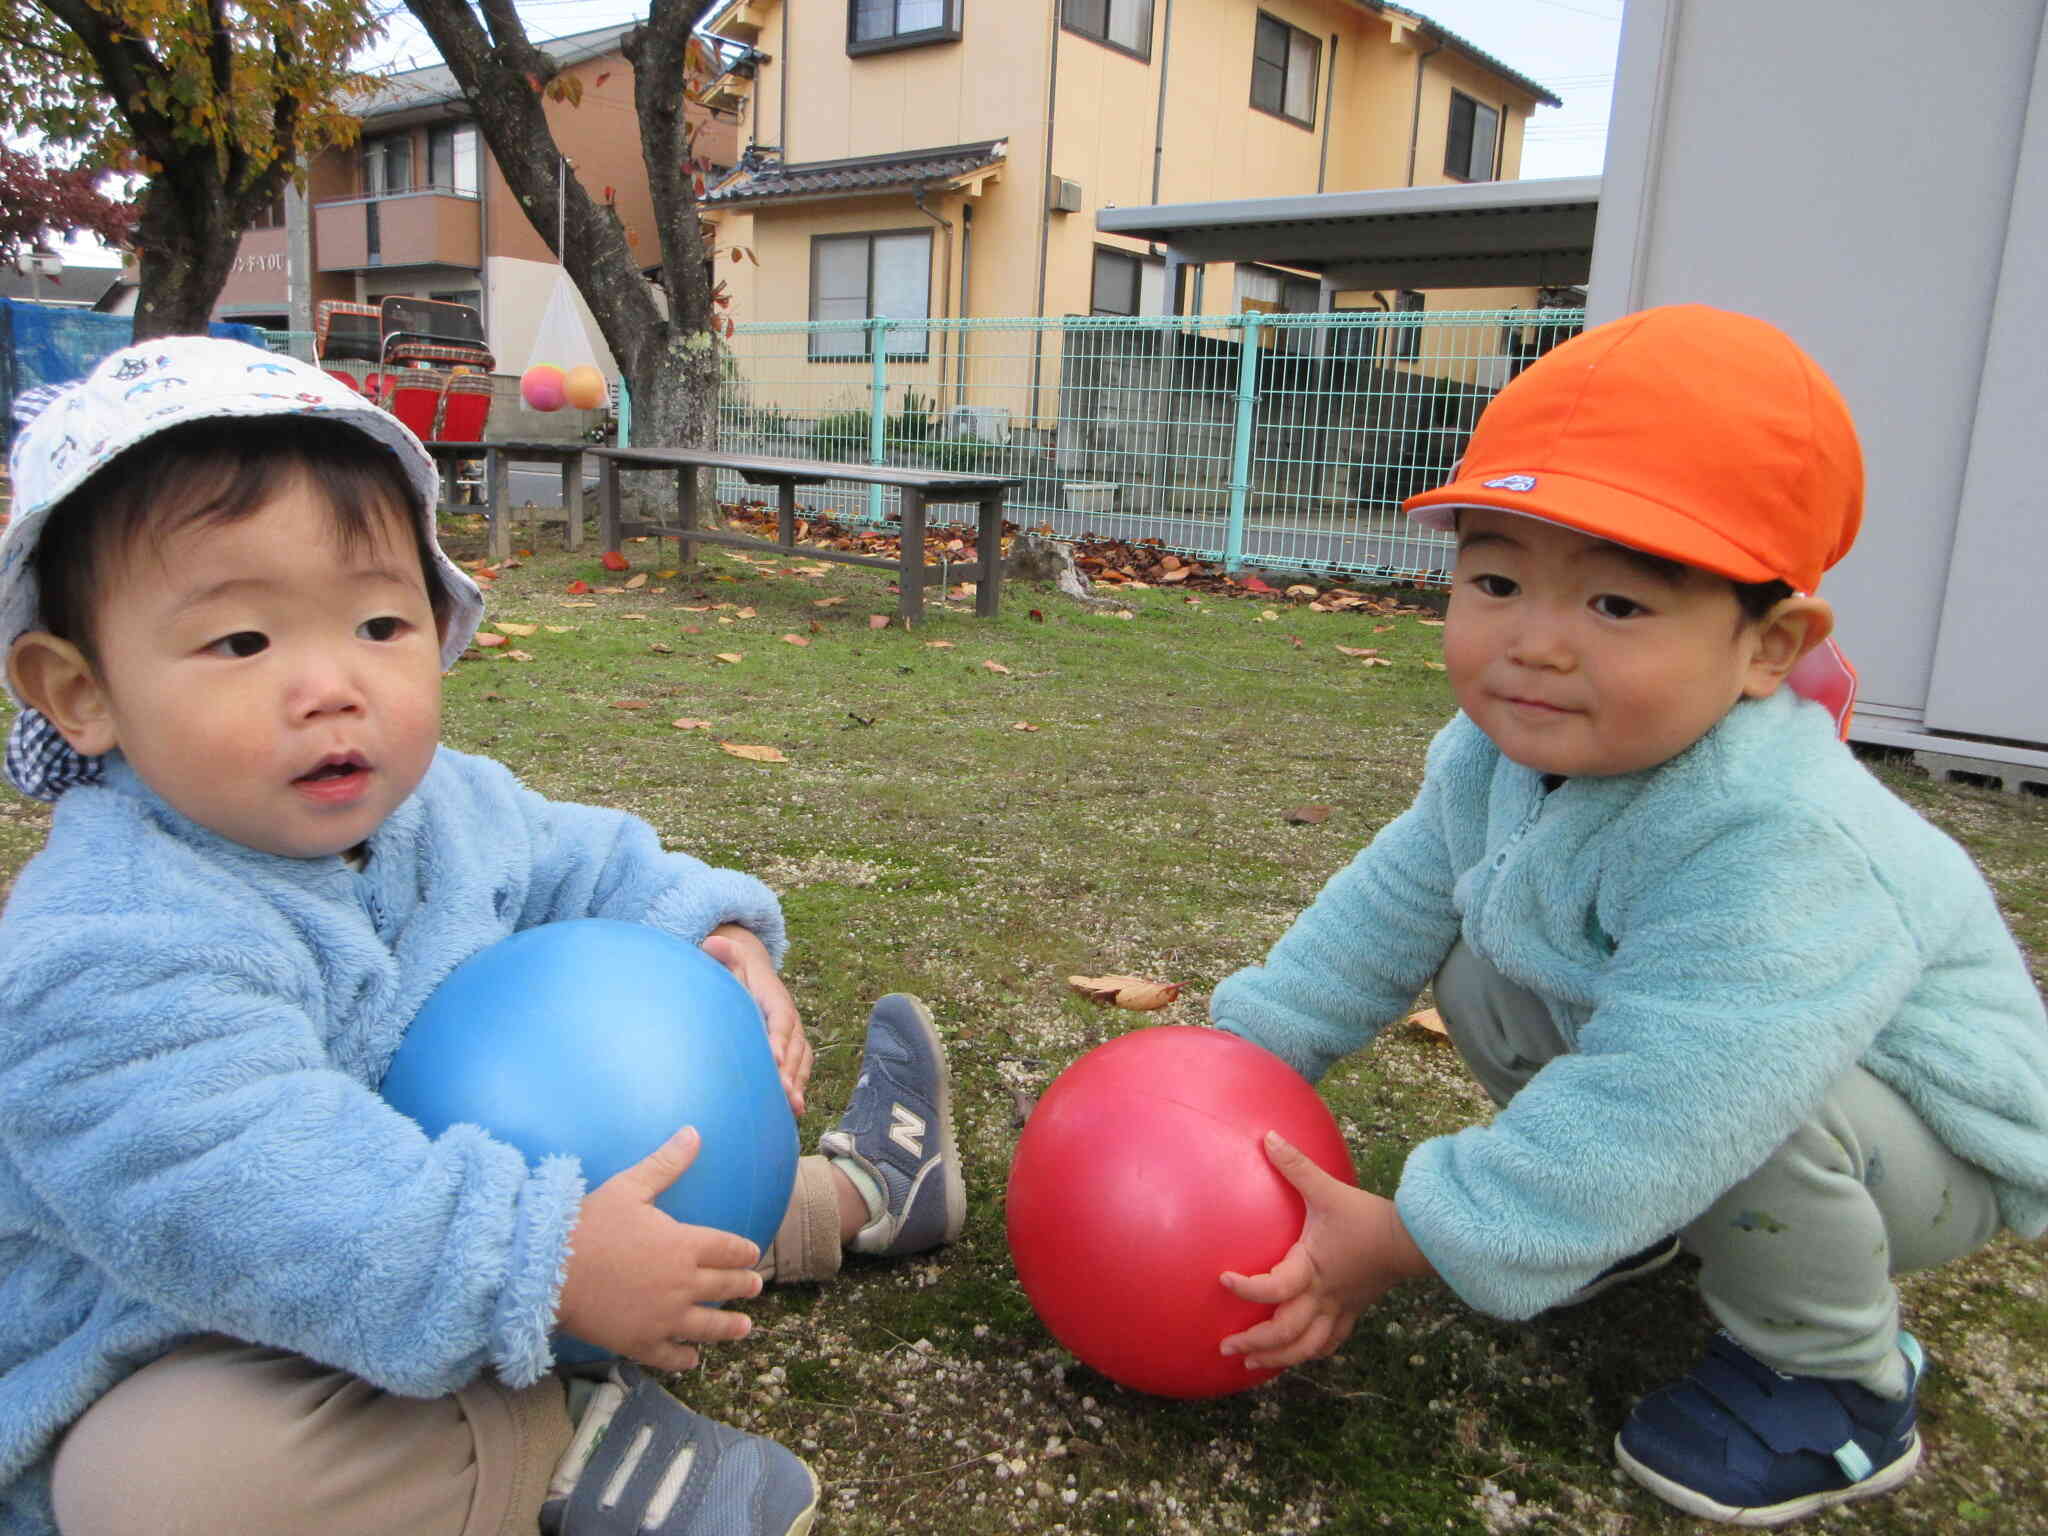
(1241, 443)
(878, 405)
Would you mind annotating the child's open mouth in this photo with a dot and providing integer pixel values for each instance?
(338, 778)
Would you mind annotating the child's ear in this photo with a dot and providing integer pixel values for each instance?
(56, 679)
(1791, 629)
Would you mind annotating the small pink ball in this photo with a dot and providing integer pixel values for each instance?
(544, 387)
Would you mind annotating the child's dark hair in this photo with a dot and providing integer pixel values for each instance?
(1754, 598)
(217, 471)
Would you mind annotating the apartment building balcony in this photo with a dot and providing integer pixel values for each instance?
(426, 228)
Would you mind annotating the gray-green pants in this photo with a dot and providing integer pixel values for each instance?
(1796, 1261)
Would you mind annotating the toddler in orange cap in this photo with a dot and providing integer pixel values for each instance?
(1732, 996)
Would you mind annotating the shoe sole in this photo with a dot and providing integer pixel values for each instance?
(1884, 1480)
(949, 1150)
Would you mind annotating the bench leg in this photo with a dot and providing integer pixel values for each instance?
(608, 503)
(686, 513)
(910, 584)
(785, 515)
(497, 475)
(988, 590)
(572, 502)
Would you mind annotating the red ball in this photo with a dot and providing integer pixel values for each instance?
(1140, 1177)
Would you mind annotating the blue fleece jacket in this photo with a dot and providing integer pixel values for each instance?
(1718, 939)
(190, 1139)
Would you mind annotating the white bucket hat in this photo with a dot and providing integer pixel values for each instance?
(70, 431)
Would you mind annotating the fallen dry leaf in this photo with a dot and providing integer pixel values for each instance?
(515, 656)
(486, 638)
(1302, 589)
(507, 627)
(632, 704)
(878, 621)
(1357, 650)
(1431, 623)
(794, 640)
(753, 754)
(1307, 815)
(577, 588)
(636, 581)
(559, 629)
(1133, 992)
(1434, 666)
(939, 645)
(662, 650)
(744, 613)
(827, 602)
(687, 724)
(997, 666)
(1381, 629)
(1431, 1020)
(612, 560)
(732, 656)
(1377, 661)
(579, 605)
(1023, 725)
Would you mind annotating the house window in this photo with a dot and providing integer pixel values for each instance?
(859, 277)
(451, 158)
(1284, 64)
(1407, 338)
(1469, 142)
(1127, 284)
(387, 165)
(1124, 24)
(1262, 290)
(873, 26)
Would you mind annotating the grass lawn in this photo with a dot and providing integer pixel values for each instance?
(922, 842)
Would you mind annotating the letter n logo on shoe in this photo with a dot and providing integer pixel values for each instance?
(906, 1130)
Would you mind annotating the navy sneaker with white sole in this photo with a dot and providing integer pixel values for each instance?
(898, 1132)
(1743, 1444)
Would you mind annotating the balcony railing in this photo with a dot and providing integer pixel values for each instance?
(428, 228)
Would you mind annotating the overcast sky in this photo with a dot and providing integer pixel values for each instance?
(1566, 45)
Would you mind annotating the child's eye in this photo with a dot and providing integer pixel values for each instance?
(1611, 605)
(384, 627)
(242, 643)
(1495, 586)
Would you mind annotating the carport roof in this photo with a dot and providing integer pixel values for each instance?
(1478, 235)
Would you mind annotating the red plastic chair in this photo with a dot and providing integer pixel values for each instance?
(465, 408)
(415, 399)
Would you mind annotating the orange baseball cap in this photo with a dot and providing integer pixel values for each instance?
(1697, 434)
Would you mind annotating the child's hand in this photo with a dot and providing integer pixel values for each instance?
(1352, 1251)
(639, 1281)
(741, 951)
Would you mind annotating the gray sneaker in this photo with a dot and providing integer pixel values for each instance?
(641, 1462)
(898, 1129)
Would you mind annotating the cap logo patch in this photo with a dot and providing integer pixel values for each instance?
(1511, 483)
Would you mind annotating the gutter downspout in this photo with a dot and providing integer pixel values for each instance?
(1415, 114)
(782, 95)
(1329, 103)
(945, 285)
(1052, 89)
(1159, 121)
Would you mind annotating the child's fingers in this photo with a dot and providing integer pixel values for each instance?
(1295, 1165)
(1285, 1281)
(661, 1167)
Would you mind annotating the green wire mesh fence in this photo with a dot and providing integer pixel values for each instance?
(1268, 440)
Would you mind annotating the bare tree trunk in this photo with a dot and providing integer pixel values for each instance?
(186, 237)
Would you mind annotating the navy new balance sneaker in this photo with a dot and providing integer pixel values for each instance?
(1738, 1442)
(898, 1132)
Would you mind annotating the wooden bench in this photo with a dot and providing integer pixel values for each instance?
(918, 489)
(499, 457)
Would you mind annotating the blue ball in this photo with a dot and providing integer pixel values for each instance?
(600, 1040)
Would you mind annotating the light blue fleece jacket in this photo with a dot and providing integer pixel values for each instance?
(190, 1038)
(1718, 939)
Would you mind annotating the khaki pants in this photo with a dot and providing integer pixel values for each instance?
(1796, 1260)
(220, 1435)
